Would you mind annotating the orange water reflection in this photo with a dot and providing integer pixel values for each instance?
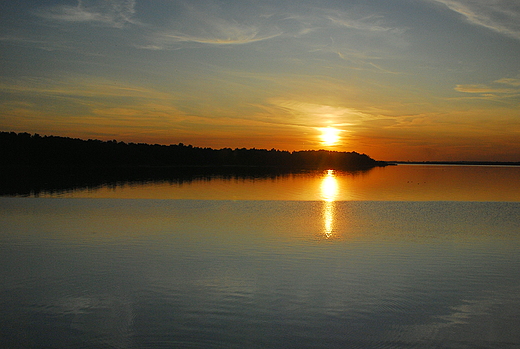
(329, 194)
(392, 183)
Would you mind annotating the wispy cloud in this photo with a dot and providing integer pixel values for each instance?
(370, 23)
(359, 38)
(484, 89)
(509, 81)
(232, 34)
(212, 25)
(80, 88)
(113, 13)
(493, 91)
(43, 43)
(300, 113)
(19, 38)
(502, 16)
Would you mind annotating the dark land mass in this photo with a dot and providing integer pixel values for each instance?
(469, 163)
(34, 164)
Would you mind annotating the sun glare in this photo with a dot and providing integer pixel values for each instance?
(329, 192)
(330, 136)
(329, 186)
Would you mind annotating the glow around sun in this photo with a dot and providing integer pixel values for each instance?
(330, 136)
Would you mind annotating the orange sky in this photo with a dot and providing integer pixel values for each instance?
(397, 80)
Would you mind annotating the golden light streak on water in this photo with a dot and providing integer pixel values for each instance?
(329, 186)
(329, 193)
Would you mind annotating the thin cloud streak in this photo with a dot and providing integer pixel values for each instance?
(509, 81)
(113, 13)
(484, 89)
(237, 37)
(212, 25)
(495, 91)
(369, 23)
(221, 28)
(101, 88)
(502, 16)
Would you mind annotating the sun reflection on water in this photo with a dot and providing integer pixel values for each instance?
(329, 193)
(329, 187)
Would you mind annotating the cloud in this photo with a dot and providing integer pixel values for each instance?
(504, 89)
(495, 91)
(320, 115)
(80, 88)
(484, 89)
(215, 25)
(509, 81)
(20, 39)
(210, 24)
(502, 16)
(224, 35)
(78, 104)
(369, 23)
(113, 13)
(54, 44)
(358, 38)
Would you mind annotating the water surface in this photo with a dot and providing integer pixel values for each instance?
(396, 183)
(217, 272)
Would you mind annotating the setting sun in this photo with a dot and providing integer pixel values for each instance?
(330, 136)
(286, 75)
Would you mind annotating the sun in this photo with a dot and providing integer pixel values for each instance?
(330, 136)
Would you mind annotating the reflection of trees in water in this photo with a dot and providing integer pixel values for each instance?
(35, 181)
(31, 164)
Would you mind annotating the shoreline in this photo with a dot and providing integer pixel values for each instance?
(457, 163)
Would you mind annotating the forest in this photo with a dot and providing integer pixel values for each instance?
(32, 165)
(24, 149)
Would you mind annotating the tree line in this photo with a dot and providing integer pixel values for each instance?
(24, 149)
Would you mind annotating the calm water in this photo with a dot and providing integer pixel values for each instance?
(392, 183)
(399, 257)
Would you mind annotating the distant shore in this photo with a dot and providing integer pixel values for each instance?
(468, 163)
(33, 164)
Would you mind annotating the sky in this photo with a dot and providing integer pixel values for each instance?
(403, 80)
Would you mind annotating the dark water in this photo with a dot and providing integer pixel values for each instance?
(149, 273)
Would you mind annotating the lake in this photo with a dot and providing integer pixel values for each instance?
(407, 256)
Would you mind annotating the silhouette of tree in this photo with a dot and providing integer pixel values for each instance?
(24, 149)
